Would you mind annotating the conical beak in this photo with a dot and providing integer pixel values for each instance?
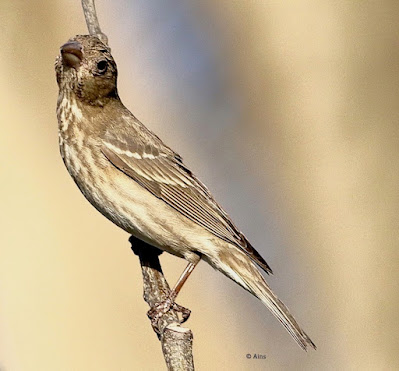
(71, 53)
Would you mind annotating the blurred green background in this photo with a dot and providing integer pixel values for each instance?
(288, 111)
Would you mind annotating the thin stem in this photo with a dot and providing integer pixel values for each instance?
(176, 341)
(89, 10)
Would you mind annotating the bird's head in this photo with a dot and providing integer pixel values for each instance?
(85, 67)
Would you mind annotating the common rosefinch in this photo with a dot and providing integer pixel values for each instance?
(136, 181)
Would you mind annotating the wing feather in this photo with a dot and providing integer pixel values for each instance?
(161, 171)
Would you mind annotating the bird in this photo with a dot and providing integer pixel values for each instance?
(143, 186)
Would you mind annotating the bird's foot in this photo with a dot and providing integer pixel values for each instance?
(157, 311)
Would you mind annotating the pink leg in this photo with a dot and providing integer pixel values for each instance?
(182, 280)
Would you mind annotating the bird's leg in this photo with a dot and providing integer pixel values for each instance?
(182, 279)
(156, 312)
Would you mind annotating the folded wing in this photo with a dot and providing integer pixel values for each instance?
(161, 171)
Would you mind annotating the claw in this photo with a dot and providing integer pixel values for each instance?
(156, 312)
(185, 312)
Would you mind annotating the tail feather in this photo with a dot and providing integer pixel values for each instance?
(262, 291)
(240, 269)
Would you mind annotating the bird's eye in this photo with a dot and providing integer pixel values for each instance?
(102, 66)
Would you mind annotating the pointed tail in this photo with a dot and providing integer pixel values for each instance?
(240, 269)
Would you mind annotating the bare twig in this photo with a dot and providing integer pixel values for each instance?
(176, 340)
(89, 10)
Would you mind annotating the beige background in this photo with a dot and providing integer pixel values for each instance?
(299, 142)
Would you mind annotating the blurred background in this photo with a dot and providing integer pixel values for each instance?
(288, 111)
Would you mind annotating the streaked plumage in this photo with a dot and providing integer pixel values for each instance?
(142, 185)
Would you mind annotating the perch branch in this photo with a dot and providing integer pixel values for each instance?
(89, 10)
(176, 341)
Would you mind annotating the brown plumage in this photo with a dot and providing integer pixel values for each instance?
(142, 185)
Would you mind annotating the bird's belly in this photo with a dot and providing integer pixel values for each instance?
(133, 208)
